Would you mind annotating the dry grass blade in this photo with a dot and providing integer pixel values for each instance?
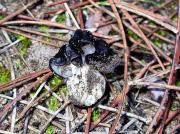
(88, 120)
(144, 37)
(10, 16)
(39, 22)
(57, 111)
(126, 55)
(172, 78)
(21, 80)
(31, 37)
(152, 44)
(33, 103)
(162, 86)
(39, 33)
(71, 15)
(163, 21)
(57, 2)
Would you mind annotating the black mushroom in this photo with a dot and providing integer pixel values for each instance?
(80, 63)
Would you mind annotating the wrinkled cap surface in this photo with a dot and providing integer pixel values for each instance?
(62, 71)
(81, 38)
(102, 48)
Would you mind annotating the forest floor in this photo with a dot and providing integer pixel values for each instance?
(143, 97)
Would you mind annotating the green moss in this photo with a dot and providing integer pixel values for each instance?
(175, 19)
(50, 129)
(64, 89)
(18, 64)
(48, 39)
(60, 35)
(53, 103)
(158, 42)
(162, 33)
(109, 75)
(175, 105)
(54, 81)
(32, 94)
(5, 75)
(61, 18)
(113, 32)
(26, 42)
(178, 83)
(2, 17)
(95, 114)
(152, 23)
(133, 35)
(43, 27)
(143, 61)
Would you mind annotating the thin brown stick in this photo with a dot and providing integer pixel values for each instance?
(152, 44)
(71, 7)
(172, 115)
(58, 2)
(162, 86)
(39, 22)
(35, 102)
(10, 16)
(161, 20)
(144, 37)
(80, 16)
(21, 80)
(171, 81)
(57, 111)
(142, 72)
(172, 77)
(88, 120)
(126, 58)
(31, 37)
(157, 35)
(24, 93)
(39, 33)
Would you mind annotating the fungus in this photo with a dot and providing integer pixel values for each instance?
(77, 63)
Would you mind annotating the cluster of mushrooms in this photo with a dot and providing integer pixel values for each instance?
(80, 63)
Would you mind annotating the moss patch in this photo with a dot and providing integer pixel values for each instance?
(54, 81)
(26, 42)
(50, 129)
(2, 17)
(61, 18)
(43, 27)
(95, 114)
(175, 105)
(5, 75)
(63, 89)
(133, 35)
(158, 42)
(53, 103)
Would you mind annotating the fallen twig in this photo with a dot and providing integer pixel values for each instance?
(126, 60)
(88, 120)
(24, 93)
(23, 79)
(10, 16)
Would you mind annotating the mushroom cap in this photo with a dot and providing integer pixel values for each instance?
(102, 48)
(62, 71)
(81, 62)
(60, 58)
(81, 37)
